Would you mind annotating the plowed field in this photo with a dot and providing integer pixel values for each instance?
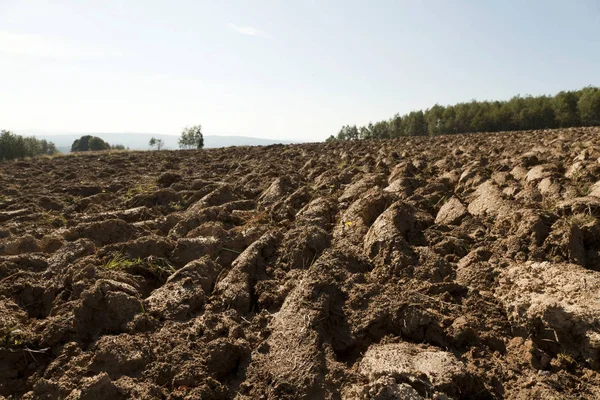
(464, 267)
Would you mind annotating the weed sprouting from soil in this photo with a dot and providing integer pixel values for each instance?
(120, 263)
(157, 266)
(12, 337)
(141, 188)
(176, 206)
(582, 219)
(54, 218)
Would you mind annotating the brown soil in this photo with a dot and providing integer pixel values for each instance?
(464, 267)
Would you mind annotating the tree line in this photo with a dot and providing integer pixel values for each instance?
(565, 109)
(93, 143)
(191, 138)
(13, 146)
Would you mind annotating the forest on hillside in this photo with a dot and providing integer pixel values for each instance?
(565, 109)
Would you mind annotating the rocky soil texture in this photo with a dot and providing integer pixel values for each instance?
(463, 267)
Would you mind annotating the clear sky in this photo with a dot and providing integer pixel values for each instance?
(277, 68)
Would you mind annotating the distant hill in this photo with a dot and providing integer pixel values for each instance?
(139, 141)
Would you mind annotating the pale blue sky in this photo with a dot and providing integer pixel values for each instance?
(279, 69)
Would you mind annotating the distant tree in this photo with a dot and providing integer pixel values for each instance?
(51, 149)
(448, 125)
(117, 147)
(97, 144)
(331, 138)
(7, 146)
(20, 147)
(416, 124)
(89, 143)
(32, 147)
(380, 130)
(589, 106)
(478, 116)
(81, 144)
(348, 133)
(158, 143)
(543, 112)
(191, 138)
(395, 126)
(352, 132)
(365, 133)
(462, 121)
(565, 109)
(44, 146)
(434, 118)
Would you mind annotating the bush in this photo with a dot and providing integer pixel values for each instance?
(89, 143)
(14, 147)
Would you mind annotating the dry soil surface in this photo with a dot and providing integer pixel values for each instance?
(464, 267)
